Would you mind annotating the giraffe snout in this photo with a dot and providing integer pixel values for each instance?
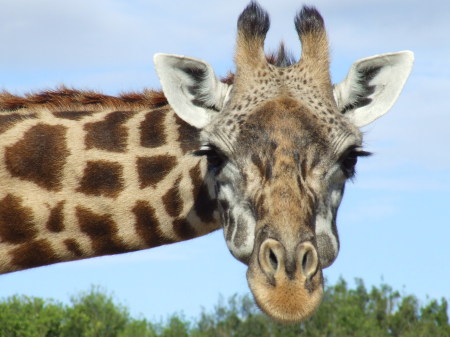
(273, 259)
(286, 280)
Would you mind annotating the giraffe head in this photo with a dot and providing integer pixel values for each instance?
(281, 142)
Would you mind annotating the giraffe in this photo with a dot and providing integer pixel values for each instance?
(264, 154)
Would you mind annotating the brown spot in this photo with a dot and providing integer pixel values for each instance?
(188, 136)
(55, 221)
(34, 254)
(148, 226)
(102, 231)
(256, 160)
(39, 156)
(204, 205)
(172, 200)
(183, 229)
(152, 128)
(152, 170)
(261, 210)
(102, 178)
(74, 247)
(109, 134)
(8, 121)
(72, 115)
(16, 221)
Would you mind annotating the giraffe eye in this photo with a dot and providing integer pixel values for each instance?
(348, 163)
(214, 157)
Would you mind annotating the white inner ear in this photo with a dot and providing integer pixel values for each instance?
(191, 88)
(372, 86)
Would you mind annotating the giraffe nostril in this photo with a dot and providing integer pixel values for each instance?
(309, 259)
(273, 260)
(271, 255)
(306, 263)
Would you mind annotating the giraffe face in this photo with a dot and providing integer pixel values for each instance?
(279, 180)
(282, 173)
(280, 143)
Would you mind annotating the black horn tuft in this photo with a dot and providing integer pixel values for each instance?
(254, 21)
(309, 20)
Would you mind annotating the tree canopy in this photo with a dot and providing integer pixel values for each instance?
(345, 311)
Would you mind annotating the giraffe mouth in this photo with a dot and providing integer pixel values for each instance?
(287, 284)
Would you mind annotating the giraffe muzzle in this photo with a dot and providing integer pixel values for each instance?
(273, 259)
(287, 283)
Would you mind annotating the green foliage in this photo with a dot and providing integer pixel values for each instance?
(138, 328)
(22, 316)
(94, 314)
(345, 311)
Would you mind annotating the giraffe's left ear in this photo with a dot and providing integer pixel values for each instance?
(191, 88)
(372, 86)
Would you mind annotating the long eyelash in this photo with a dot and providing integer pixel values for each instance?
(361, 153)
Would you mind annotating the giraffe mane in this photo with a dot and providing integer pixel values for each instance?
(64, 98)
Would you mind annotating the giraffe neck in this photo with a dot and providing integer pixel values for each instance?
(80, 180)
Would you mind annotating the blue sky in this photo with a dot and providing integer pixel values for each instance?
(394, 222)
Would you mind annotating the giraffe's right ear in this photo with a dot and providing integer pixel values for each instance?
(191, 88)
(372, 86)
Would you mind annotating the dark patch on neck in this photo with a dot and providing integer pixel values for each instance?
(55, 221)
(183, 229)
(152, 170)
(188, 136)
(152, 129)
(109, 134)
(39, 156)
(148, 226)
(102, 178)
(72, 115)
(16, 221)
(172, 200)
(204, 205)
(8, 121)
(73, 247)
(102, 231)
(34, 254)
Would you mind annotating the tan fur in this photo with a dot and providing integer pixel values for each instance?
(116, 210)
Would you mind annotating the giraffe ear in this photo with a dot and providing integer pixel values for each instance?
(191, 88)
(372, 86)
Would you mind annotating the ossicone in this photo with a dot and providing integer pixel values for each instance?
(254, 21)
(308, 20)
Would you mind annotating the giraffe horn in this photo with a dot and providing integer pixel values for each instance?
(253, 24)
(311, 30)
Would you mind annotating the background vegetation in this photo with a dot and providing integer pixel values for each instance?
(345, 311)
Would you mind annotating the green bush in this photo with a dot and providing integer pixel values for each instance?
(345, 312)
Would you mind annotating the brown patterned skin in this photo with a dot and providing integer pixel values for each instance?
(86, 174)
